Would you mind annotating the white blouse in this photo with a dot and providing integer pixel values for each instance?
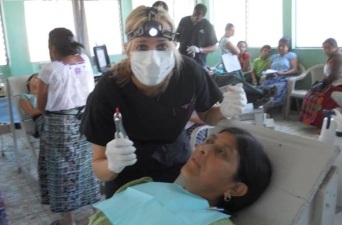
(68, 84)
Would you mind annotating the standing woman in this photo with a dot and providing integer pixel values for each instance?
(65, 172)
(285, 62)
(227, 47)
(254, 95)
(156, 90)
(319, 97)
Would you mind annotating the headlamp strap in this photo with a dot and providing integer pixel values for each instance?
(151, 13)
(151, 28)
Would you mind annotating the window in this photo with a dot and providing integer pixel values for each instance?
(103, 24)
(3, 53)
(251, 20)
(318, 22)
(38, 26)
(177, 9)
(101, 16)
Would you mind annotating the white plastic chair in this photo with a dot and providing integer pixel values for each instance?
(15, 86)
(314, 73)
(304, 183)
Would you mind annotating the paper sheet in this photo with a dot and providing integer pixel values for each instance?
(231, 62)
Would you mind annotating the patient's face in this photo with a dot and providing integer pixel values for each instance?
(211, 169)
(34, 85)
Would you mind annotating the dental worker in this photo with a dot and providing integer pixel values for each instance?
(156, 90)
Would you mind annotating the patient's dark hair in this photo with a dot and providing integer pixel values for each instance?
(255, 170)
(29, 80)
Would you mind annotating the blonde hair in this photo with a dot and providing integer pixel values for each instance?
(136, 19)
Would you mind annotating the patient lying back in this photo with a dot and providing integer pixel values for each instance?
(225, 174)
(28, 103)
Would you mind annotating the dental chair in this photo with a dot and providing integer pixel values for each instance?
(15, 86)
(304, 183)
(337, 96)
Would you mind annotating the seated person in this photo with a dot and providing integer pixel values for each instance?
(285, 62)
(28, 102)
(225, 174)
(260, 64)
(319, 97)
(244, 57)
(226, 47)
(256, 96)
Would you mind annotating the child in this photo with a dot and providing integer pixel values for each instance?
(244, 57)
(28, 102)
(260, 64)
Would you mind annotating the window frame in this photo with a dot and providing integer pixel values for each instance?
(3, 39)
(242, 28)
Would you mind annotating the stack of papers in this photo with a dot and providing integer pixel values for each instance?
(269, 71)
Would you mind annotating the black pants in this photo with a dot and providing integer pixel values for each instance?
(252, 92)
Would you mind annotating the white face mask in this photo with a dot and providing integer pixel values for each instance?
(152, 67)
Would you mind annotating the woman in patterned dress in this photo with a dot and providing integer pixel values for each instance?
(319, 98)
(65, 171)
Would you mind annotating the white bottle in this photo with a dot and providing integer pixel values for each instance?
(328, 131)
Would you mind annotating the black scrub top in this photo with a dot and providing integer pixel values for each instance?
(155, 125)
(201, 34)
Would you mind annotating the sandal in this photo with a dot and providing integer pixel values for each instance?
(271, 92)
(262, 101)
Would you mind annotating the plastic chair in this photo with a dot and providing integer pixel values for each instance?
(314, 73)
(303, 188)
(301, 68)
(15, 86)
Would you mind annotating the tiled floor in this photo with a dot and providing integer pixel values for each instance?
(21, 193)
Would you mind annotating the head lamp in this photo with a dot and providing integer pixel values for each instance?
(151, 28)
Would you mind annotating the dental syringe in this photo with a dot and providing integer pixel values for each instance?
(118, 123)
